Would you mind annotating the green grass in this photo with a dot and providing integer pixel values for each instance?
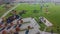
(53, 16)
(29, 12)
(29, 9)
(2, 10)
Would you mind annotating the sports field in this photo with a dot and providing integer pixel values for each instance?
(2, 10)
(53, 16)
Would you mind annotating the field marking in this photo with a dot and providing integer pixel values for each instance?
(10, 10)
(2, 5)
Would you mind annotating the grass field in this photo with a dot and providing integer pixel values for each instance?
(53, 16)
(2, 10)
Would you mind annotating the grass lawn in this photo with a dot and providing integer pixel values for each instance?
(2, 10)
(53, 16)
